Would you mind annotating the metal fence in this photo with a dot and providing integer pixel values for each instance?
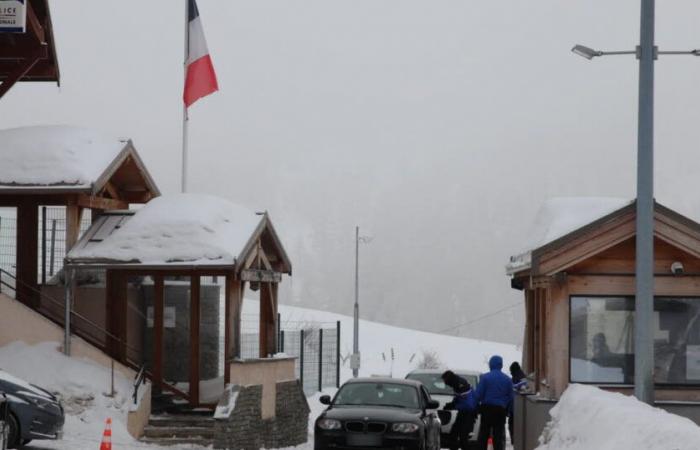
(315, 345)
(52, 241)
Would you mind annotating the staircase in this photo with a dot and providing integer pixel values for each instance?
(180, 429)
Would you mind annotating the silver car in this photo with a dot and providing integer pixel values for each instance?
(432, 380)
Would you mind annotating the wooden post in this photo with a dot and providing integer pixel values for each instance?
(73, 214)
(43, 245)
(268, 319)
(227, 327)
(27, 253)
(52, 253)
(237, 293)
(158, 313)
(194, 340)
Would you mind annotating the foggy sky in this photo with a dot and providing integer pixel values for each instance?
(438, 127)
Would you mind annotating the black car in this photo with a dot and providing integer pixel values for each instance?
(380, 413)
(32, 413)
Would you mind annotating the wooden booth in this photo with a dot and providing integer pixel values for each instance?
(175, 275)
(69, 170)
(578, 284)
(29, 56)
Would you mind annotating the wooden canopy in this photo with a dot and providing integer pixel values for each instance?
(29, 56)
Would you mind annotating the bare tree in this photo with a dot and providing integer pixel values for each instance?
(429, 360)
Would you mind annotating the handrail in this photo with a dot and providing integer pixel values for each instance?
(138, 381)
(62, 305)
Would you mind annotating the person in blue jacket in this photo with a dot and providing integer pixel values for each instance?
(465, 404)
(495, 397)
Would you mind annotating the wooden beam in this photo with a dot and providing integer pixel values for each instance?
(73, 215)
(158, 315)
(21, 70)
(34, 24)
(265, 319)
(87, 201)
(17, 53)
(262, 276)
(227, 327)
(136, 196)
(264, 260)
(237, 294)
(112, 191)
(194, 340)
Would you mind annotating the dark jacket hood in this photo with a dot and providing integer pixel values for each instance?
(496, 363)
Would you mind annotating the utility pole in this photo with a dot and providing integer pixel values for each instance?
(355, 360)
(647, 54)
(644, 276)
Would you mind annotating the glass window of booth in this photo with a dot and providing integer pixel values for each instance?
(601, 340)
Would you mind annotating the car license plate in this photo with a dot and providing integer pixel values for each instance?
(364, 440)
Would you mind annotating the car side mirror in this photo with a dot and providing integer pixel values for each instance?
(325, 399)
(433, 404)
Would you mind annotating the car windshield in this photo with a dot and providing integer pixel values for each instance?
(434, 384)
(378, 394)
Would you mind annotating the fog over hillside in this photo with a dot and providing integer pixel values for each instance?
(437, 127)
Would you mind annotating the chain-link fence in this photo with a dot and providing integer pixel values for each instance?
(315, 345)
(52, 241)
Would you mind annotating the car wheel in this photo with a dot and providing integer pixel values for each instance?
(13, 439)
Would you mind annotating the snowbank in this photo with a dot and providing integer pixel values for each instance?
(589, 418)
(55, 155)
(560, 216)
(83, 387)
(179, 228)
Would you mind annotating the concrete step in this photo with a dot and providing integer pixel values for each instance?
(178, 432)
(181, 421)
(192, 440)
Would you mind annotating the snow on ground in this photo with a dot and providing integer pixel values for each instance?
(51, 155)
(589, 418)
(83, 387)
(193, 228)
(377, 341)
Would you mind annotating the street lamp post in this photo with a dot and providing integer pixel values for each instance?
(355, 360)
(647, 53)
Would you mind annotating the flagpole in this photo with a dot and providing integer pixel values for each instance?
(184, 105)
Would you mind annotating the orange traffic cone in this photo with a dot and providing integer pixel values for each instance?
(107, 436)
(489, 445)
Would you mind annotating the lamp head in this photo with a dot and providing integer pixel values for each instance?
(586, 52)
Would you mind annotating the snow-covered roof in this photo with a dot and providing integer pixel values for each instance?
(173, 229)
(560, 216)
(56, 156)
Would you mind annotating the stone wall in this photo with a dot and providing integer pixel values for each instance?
(246, 429)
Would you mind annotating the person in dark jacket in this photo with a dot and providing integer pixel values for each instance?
(519, 380)
(465, 404)
(495, 396)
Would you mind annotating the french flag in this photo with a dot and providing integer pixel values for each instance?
(200, 78)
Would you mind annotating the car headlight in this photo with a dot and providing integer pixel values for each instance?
(329, 424)
(404, 428)
(41, 403)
